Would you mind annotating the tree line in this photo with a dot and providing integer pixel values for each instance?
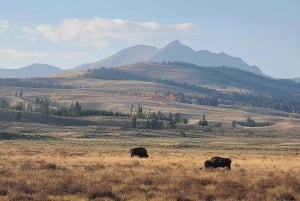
(33, 83)
(139, 118)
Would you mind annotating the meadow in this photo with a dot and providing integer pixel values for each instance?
(101, 169)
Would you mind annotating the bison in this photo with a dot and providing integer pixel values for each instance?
(139, 151)
(216, 162)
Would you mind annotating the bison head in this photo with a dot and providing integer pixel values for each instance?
(207, 164)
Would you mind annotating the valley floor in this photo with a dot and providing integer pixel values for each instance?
(77, 169)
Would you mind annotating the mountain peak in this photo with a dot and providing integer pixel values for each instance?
(176, 45)
(173, 43)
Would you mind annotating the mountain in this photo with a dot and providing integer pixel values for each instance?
(174, 51)
(126, 56)
(296, 79)
(33, 70)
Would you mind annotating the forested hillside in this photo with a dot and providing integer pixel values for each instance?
(255, 90)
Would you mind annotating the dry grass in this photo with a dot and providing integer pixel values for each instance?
(72, 171)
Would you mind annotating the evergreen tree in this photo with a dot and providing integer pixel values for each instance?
(177, 117)
(75, 109)
(171, 120)
(140, 111)
(4, 104)
(131, 110)
(233, 124)
(203, 121)
(19, 106)
(133, 121)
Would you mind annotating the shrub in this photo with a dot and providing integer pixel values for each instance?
(206, 181)
(101, 190)
(209, 197)
(49, 166)
(3, 192)
(65, 184)
(182, 199)
(17, 196)
(285, 196)
(41, 197)
(264, 184)
(292, 182)
(231, 189)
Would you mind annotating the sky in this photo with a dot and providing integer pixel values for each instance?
(67, 33)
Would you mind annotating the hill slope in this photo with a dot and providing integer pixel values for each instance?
(126, 56)
(34, 70)
(219, 76)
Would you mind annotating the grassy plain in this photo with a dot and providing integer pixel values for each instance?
(73, 167)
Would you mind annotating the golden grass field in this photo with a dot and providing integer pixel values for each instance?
(91, 170)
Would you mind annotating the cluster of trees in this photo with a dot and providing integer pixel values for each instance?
(210, 101)
(250, 123)
(4, 104)
(73, 111)
(154, 120)
(44, 106)
(247, 99)
(33, 83)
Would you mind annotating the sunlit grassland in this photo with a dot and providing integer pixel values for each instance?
(102, 169)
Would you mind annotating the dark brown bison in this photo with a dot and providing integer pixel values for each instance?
(139, 151)
(216, 162)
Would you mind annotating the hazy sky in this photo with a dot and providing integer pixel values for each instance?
(67, 33)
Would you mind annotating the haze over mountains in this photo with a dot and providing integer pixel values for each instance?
(33, 70)
(174, 51)
(135, 54)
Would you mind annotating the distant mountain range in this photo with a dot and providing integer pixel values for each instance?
(174, 51)
(33, 70)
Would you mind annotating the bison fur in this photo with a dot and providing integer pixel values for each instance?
(139, 151)
(216, 162)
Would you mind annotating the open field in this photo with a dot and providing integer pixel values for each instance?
(103, 170)
(51, 158)
(82, 163)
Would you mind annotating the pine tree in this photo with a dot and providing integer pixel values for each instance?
(133, 121)
(203, 121)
